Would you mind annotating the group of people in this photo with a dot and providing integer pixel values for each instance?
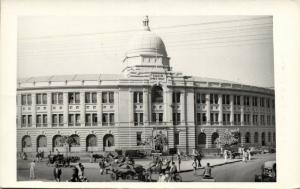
(78, 174)
(246, 154)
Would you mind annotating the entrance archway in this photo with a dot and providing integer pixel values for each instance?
(256, 137)
(214, 137)
(91, 141)
(202, 140)
(248, 138)
(26, 142)
(41, 142)
(57, 141)
(263, 139)
(108, 142)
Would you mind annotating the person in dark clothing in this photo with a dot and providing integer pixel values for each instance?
(207, 171)
(57, 173)
(74, 177)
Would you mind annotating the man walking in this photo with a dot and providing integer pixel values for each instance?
(32, 170)
(57, 173)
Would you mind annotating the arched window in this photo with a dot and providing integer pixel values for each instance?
(202, 139)
(108, 140)
(269, 136)
(75, 141)
(26, 141)
(157, 94)
(263, 139)
(248, 137)
(41, 141)
(256, 137)
(91, 140)
(214, 137)
(57, 141)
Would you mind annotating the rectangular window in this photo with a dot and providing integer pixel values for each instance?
(237, 100)
(136, 121)
(246, 101)
(77, 119)
(160, 117)
(94, 97)
(255, 121)
(74, 98)
(138, 97)
(105, 119)
(90, 97)
(77, 98)
(198, 98)
(112, 119)
(176, 97)
(45, 120)
(61, 119)
(198, 119)
(176, 138)
(44, 98)
(213, 99)
(38, 120)
(268, 103)
(237, 119)
(29, 99)
(23, 99)
(139, 138)
(176, 118)
(254, 102)
(57, 98)
(203, 98)
(54, 120)
(23, 122)
(262, 119)
(204, 119)
(95, 119)
(104, 97)
(262, 102)
(71, 120)
(87, 97)
(268, 120)
(226, 119)
(29, 120)
(153, 117)
(88, 120)
(141, 119)
(38, 98)
(225, 99)
(111, 97)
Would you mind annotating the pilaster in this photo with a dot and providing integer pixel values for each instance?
(220, 109)
(207, 97)
(82, 109)
(33, 110)
(49, 108)
(99, 108)
(145, 107)
(231, 109)
(66, 108)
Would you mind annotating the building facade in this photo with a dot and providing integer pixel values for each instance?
(104, 112)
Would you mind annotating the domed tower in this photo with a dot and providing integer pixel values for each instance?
(146, 52)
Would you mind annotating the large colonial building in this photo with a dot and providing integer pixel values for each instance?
(122, 111)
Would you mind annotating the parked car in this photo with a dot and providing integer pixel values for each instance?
(268, 172)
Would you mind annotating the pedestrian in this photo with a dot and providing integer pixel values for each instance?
(207, 171)
(179, 161)
(57, 173)
(245, 156)
(102, 166)
(91, 157)
(32, 170)
(225, 156)
(249, 154)
(194, 164)
(199, 157)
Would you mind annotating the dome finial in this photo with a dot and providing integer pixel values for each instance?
(146, 23)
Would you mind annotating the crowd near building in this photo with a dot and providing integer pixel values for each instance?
(104, 112)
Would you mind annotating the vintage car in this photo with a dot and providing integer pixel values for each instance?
(268, 172)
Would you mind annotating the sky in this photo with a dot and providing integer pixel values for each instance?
(234, 48)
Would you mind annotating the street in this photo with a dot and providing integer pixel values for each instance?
(233, 172)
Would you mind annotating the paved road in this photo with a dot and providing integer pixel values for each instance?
(235, 172)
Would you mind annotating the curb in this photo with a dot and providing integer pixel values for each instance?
(216, 165)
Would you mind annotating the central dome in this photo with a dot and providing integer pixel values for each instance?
(146, 42)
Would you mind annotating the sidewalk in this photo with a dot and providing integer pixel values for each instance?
(184, 166)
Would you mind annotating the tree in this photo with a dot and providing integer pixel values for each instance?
(160, 141)
(68, 141)
(229, 138)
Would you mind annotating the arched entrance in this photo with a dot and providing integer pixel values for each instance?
(202, 140)
(91, 142)
(26, 143)
(248, 138)
(41, 143)
(75, 144)
(256, 137)
(57, 142)
(108, 142)
(263, 139)
(214, 137)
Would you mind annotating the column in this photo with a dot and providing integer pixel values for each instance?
(150, 107)
(231, 110)
(99, 107)
(66, 108)
(33, 109)
(19, 110)
(116, 107)
(130, 108)
(207, 97)
(145, 107)
(251, 110)
(168, 117)
(220, 109)
(82, 109)
(183, 107)
(49, 108)
(242, 111)
(259, 111)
